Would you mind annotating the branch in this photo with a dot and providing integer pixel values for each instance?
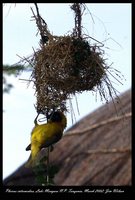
(97, 125)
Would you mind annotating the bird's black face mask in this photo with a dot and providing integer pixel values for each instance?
(55, 116)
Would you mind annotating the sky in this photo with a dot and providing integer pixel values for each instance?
(108, 23)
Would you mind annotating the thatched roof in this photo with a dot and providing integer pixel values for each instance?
(96, 151)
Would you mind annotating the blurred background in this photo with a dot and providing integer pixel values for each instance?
(107, 23)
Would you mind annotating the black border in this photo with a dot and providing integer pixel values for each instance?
(128, 190)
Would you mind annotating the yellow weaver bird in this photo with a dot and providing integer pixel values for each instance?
(44, 135)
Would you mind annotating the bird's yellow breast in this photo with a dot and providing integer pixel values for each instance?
(43, 132)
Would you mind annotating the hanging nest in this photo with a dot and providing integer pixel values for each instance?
(66, 65)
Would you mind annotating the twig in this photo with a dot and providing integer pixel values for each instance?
(78, 17)
(100, 151)
(26, 59)
(21, 79)
(41, 24)
(97, 125)
(47, 176)
(94, 40)
(121, 150)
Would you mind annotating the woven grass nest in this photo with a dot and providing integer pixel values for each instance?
(64, 66)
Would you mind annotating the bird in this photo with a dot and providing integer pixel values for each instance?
(45, 135)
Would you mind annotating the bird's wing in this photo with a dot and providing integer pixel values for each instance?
(50, 141)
